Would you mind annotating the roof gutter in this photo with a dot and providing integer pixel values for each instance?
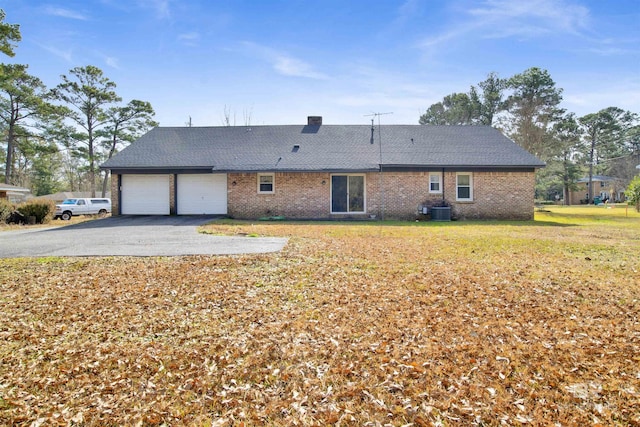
(506, 168)
(209, 169)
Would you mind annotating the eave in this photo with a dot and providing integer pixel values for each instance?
(459, 167)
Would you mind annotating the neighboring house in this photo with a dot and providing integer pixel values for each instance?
(606, 187)
(318, 171)
(14, 194)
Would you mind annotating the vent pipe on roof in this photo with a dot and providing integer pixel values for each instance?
(373, 129)
(314, 120)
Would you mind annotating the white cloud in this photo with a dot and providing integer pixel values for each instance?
(406, 12)
(284, 63)
(64, 54)
(112, 62)
(290, 66)
(189, 39)
(610, 51)
(189, 36)
(64, 13)
(582, 98)
(532, 17)
(615, 47)
(507, 18)
(445, 37)
(160, 7)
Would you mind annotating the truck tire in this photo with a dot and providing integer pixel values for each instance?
(102, 213)
(66, 216)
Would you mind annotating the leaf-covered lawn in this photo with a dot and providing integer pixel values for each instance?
(352, 324)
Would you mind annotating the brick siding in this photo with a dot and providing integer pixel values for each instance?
(496, 195)
(173, 210)
(297, 195)
(578, 195)
(115, 195)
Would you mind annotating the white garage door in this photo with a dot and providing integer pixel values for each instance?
(145, 195)
(200, 194)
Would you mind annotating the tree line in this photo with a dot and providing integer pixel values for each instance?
(56, 138)
(526, 107)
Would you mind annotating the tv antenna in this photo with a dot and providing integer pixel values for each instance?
(373, 117)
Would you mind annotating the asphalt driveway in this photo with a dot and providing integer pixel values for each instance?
(131, 236)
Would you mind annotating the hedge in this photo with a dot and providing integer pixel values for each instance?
(43, 210)
(6, 208)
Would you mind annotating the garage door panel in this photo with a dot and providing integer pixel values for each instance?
(202, 194)
(145, 195)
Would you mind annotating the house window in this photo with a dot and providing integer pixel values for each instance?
(435, 182)
(347, 194)
(266, 183)
(464, 187)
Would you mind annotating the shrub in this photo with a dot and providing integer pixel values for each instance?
(43, 210)
(6, 208)
(633, 193)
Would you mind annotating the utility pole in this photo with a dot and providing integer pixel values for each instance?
(380, 173)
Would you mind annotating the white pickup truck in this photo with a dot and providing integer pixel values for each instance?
(83, 206)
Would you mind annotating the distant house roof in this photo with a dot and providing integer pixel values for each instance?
(321, 148)
(13, 193)
(13, 188)
(598, 178)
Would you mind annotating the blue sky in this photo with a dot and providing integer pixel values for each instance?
(276, 62)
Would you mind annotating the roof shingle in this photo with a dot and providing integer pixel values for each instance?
(322, 148)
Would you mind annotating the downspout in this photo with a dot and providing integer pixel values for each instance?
(381, 194)
(119, 193)
(443, 199)
(175, 196)
(381, 174)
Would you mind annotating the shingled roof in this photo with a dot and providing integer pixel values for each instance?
(321, 148)
(13, 188)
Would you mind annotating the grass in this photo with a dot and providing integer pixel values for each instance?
(462, 323)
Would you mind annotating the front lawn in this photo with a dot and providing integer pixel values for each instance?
(461, 323)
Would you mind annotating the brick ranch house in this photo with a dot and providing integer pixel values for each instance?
(605, 187)
(318, 171)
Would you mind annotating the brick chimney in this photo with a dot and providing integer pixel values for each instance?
(314, 120)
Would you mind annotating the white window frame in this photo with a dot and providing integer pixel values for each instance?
(273, 183)
(439, 175)
(470, 175)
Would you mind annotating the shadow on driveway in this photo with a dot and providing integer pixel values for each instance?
(132, 236)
